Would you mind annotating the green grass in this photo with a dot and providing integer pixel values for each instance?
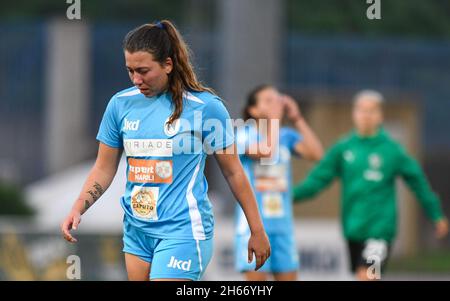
(430, 262)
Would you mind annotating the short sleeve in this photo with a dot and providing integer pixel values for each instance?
(109, 130)
(218, 132)
(293, 137)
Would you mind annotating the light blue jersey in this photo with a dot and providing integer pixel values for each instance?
(271, 183)
(166, 191)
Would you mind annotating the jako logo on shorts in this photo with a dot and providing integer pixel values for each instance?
(179, 264)
(131, 125)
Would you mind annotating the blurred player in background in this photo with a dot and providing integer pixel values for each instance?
(272, 182)
(368, 161)
(168, 221)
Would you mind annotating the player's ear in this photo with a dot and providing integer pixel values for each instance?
(168, 65)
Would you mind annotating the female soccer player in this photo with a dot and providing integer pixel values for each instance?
(368, 162)
(167, 124)
(271, 179)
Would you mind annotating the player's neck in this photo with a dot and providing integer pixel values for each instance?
(369, 133)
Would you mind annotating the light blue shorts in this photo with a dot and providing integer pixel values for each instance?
(283, 257)
(169, 258)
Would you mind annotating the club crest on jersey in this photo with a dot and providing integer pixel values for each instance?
(374, 161)
(131, 125)
(171, 129)
(349, 156)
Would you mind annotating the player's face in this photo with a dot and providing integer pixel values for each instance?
(268, 105)
(367, 115)
(148, 75)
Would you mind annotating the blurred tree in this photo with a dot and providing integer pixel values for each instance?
(421, 18)
(415, 18)
(12, 201)
(149, 10)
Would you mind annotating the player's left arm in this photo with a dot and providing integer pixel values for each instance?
(416, 180)
(219, 140)
(310, 146)
(234, 174)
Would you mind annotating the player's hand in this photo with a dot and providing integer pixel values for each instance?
(441, 227)
(259, 245)
(70, 223)
(292, 109)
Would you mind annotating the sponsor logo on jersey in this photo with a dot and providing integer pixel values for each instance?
(272, 205)
(131, 125)
(270, 177)
(373, 173)
(144, 202)
(149, 171)
(148, 147)
(374, 161)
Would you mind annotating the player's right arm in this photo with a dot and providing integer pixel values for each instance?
(98, 180)
(320, 177)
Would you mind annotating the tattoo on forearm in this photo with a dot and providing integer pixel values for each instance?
(95, 194)
(86, 205)
(98, 188)
(94, 197)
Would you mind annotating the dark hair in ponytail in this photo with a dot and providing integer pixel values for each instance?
(252, 99)
(163, 40)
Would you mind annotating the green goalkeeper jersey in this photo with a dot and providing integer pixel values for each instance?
(368, 168)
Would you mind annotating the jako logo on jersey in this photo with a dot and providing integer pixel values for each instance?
(131, 125)
(179, 264)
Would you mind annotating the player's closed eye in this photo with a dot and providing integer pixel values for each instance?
(139, 71)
